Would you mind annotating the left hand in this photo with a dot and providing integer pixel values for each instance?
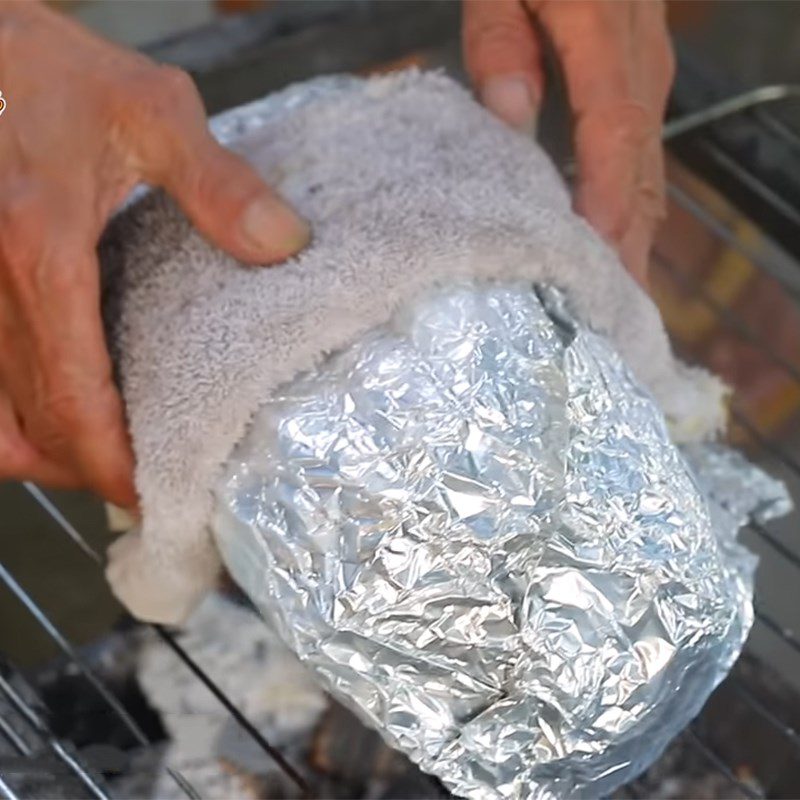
(619, 66)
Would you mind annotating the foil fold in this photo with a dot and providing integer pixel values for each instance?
(474, 528)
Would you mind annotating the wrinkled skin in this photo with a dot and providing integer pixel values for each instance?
(618, 66)
(86, 121)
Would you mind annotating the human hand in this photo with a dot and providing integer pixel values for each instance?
(85, 122)
(619, 66)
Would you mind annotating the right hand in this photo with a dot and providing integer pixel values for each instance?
(85, 122)
(618, 66)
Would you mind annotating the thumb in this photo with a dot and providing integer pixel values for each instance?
(231, 205)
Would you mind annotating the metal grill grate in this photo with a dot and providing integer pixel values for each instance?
(20, 711)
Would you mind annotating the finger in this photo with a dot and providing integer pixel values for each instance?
(656, 69)
(57, 371)
(82, 391)
(612, 124)
(503, 59)
(634, 250)
(222, 195)
(19, 460)
(649, 211)
(654, 54)
(229, 203)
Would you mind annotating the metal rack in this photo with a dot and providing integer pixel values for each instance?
(30, 718)
(749, 101)
(107, 696)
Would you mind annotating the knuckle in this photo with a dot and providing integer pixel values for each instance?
(625, 122)
(222, 182)
(652, 201)
(575, 20)
(153, 95)
(174, 85)
(21, 225)
(15, 456)
(172, 95)
(494, 31)
(60, 410)
(19, 200)
(13, 463)
(166, 107)
(496, 44)
(651, 192)
(54, 417)
(70, 412)
(633, 123)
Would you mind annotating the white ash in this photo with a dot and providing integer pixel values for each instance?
(256, 671)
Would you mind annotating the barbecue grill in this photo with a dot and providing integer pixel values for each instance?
(70, 729)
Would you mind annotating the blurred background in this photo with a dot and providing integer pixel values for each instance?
(725, 273)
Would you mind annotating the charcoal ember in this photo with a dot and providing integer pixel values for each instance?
(356, 756)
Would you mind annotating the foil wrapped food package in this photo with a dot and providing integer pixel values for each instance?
(473, 526)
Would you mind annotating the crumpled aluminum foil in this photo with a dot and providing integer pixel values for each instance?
(473, 526)
(237, 124)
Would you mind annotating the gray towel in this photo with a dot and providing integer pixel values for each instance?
(408, 184)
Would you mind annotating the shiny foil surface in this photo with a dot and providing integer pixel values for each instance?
(473, 526)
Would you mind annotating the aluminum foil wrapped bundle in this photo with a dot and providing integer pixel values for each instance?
(473, 526)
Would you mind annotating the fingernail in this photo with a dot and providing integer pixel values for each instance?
(272, 227)
(511, 97)
(120, 519)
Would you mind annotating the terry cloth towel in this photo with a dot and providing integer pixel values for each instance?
(408, 184)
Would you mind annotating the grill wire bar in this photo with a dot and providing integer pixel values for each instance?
(6, 791)
(785, 634)
(754, 102)
(748, 697)
(688, 203)
(721, 766)
(725, 108)
(753, 183)
(240, 718)
(61, 753)
(55, 634)
(743, 331)
(166, 637)
(775, 543)
(16, 741)
(689, 123)
(692, 122)
(64, 645)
